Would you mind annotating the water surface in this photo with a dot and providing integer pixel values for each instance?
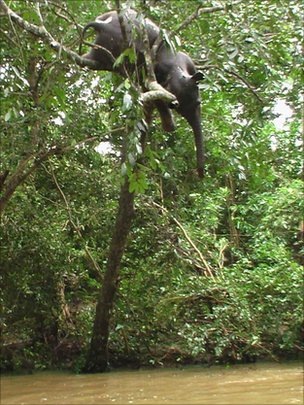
(242, 384)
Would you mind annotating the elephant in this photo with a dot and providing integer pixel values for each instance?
(174, 71)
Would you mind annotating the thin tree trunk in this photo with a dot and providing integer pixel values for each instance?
(97, 359)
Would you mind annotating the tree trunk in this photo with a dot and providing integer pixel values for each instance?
(97, 359)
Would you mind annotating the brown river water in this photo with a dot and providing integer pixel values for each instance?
(261, 383)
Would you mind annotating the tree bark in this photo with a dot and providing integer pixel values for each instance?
(97, 360)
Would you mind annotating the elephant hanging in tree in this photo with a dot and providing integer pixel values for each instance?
(174, 71)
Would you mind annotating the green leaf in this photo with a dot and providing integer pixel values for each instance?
(138, 182)
(127, 101)
(8, 115)
(123, 169)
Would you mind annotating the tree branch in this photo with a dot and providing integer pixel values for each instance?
(190, 241)
(122, 24)
(204, 10)
(200, 10)
(156, 92)
(243, 80)
(24, 169)
(47, 38)
(236, 75)
(70, 15)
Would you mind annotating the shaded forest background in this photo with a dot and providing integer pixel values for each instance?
(213, 268)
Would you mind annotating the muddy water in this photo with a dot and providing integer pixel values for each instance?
(245, 384)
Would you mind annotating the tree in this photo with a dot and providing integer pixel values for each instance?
(97, 360)
(241, 222)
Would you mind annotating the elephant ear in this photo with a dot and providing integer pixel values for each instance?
(197, 77)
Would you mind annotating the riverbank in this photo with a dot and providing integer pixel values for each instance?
(28, 357)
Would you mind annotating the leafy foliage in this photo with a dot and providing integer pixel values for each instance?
(213, 268)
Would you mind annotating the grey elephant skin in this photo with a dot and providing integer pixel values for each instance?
(175, 71)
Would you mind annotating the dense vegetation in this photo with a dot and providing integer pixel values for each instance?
(213, 268)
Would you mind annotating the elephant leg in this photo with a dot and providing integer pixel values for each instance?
(165, 116)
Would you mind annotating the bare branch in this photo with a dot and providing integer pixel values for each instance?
(236, 75)
(200, 10)
(39, 13)
(190, 241)
(70, 15)
(70, 19)
(204, 10)
(243, 80)
(147, 51)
